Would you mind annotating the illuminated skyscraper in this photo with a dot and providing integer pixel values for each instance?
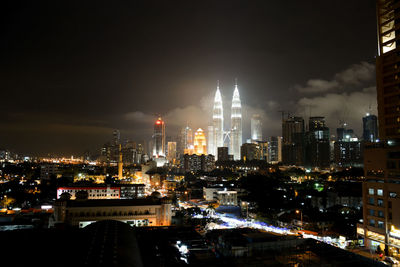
(200, 144)
(256, 132)
(236, 125)
(159, 138)
(171, 152)
(185, 140)
(218, 123)
(210, 139)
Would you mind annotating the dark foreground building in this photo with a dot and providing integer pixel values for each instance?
(381, 189)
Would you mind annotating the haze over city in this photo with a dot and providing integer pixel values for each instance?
(200, 133)
(70, 74)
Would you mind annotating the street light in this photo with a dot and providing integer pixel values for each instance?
(247, 209)
(301, 217)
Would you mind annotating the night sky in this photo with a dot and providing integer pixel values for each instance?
(72, 71)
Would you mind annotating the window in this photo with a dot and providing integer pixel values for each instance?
(381, 224)
(392, 194)
(371, 191)
(379, 192)
(380, 213)
(371, 201)
(389, 204)
(380, 202)
(371, 212)
(390, 216)
(372, 222)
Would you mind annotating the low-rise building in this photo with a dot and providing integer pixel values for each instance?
(135, 212)
(94, 192)
(227, 198)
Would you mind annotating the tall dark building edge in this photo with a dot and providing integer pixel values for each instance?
(381, 189)
(293, 141)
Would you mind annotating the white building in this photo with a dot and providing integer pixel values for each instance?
(135, 212)
(236, 125)
(218, 123)
(256, 128)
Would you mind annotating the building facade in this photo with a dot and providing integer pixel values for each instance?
(275, 149)
(293, 141)
(159, 138)
(370, 128)
(198, 163)
(223, 154)
(236, 125)
(171, 156)
(136, 212)
(381, 189)
(317, 144)
(256, 128)
(218, 123)
(200, 144)
(250, 151)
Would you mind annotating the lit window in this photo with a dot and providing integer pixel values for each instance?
(371, 191)
(392, 194)
(381, 224)
(372, 222)
(379, 192)
(380, 202)
(380, 213)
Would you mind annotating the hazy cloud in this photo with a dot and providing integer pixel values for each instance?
(354, 76)
(317, 86)
(347, 107)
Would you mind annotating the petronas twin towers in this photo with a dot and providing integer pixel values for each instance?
(216, 131)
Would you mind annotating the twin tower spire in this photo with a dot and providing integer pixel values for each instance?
(216, 131)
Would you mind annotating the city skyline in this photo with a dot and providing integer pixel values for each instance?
(71, 96)
(200, 133)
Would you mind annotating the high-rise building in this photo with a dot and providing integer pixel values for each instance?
(198, 162)
(317, 144)
(250, 151)
(120, 163)
(293, 141)
(116, 137)
(223, 154)
(210, 140)
(185, 140)
(236, 125)
(256, 128)
(159, 138)
(171, 156)
(218, 122)
(274, 149)
(381, 188)
(264, 150)
(370, 128)
(343, 133)
(200, 144)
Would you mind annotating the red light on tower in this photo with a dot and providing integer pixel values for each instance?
(158, 122)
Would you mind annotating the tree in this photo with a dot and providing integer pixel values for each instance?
(65, 196)
(82, 195)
